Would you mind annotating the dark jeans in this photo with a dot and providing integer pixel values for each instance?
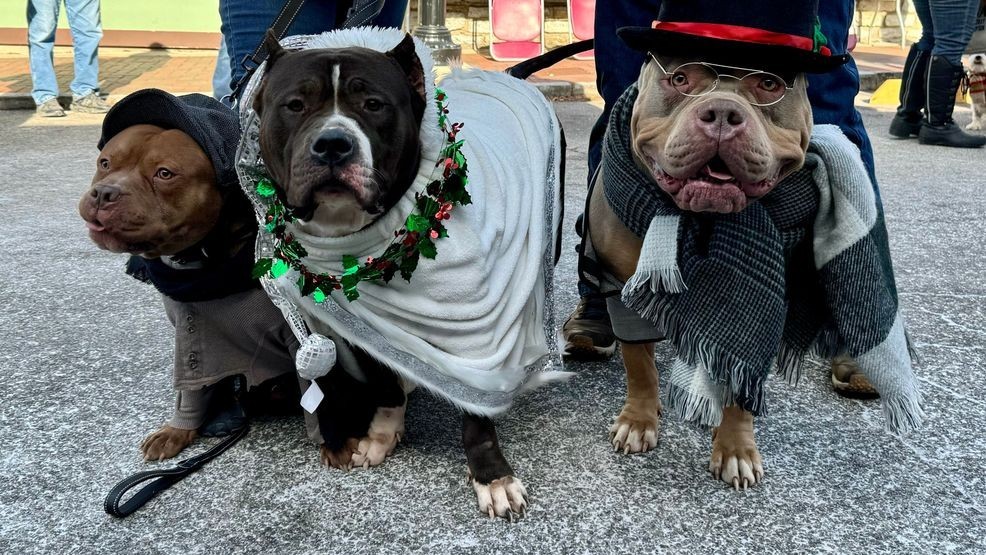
(244, 23)
(831, 94)
(946, 26)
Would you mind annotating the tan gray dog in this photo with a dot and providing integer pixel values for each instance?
(718, 118)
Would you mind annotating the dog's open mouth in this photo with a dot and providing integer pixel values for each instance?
(713, 189)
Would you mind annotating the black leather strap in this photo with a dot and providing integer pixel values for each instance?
(252, 61)
(161, 480)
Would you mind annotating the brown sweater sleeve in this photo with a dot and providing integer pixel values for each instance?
(190, 408)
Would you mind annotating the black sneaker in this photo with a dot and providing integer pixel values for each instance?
(89, 104)
(50, 109)
(588, 333)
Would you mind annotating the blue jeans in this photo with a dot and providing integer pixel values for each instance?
(244, 23)
(84, 22)
(220, 75)
(946, 26)
(831, 94)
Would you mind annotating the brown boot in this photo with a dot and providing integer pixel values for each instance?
(848, 380)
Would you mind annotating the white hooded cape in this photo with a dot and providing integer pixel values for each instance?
(474, 325)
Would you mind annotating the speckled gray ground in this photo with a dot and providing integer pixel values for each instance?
(84, 376)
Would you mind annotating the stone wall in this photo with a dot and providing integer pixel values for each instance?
(877, 21)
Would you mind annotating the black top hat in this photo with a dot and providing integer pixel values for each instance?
(784, 35)
(207, 121)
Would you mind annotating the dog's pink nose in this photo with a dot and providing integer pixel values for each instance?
(720, 119)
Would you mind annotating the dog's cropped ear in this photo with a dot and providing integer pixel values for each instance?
(406, 57)
(273, 48)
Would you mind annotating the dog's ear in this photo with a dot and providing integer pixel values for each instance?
(273, 48)
(406, 57)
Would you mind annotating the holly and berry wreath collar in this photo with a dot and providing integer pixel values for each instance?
(415, 239)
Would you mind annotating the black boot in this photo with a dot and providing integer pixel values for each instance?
(938, 128)
(907, 122)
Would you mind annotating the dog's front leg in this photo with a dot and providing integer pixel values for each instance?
(735, 458)
(498, 492)
(635, 429)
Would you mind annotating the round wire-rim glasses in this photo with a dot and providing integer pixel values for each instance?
(766, 88)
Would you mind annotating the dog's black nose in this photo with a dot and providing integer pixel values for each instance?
(105, 194)
(333, 147)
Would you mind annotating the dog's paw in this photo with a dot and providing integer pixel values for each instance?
(504, 497)
(385, 432)
(976, 125)
(634, 430)
(736, 461)
(341, 458)
(166, 443)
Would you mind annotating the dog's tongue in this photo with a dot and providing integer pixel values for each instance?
(721, 176)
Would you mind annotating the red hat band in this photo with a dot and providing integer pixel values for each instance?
(741, 34)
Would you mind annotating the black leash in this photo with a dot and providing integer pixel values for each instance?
(162, 479)
(525, 69)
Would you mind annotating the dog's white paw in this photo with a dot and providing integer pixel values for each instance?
(976, 125)
(385, 432)
(740, 468)
(504, 497)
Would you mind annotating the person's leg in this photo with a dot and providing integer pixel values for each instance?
(392, 14)
(87, 30)
(244, 23)
(907, 121)
(587, 331)
(220, 75)
(832, 95)
(42, 17)
(953, 24)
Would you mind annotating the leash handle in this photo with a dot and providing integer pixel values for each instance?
(161, 480)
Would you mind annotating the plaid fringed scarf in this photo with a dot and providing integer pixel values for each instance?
(805, 270)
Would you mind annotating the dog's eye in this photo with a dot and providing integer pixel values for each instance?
(164, 173)
(679, 79)
(769, 84)
(372, 104)
(295, 105)
(104, 163)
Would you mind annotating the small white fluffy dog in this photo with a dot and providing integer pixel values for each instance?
(977, 90)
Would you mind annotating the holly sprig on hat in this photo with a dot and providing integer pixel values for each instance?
(415, 239)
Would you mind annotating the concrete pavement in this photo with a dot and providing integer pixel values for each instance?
(84, 376)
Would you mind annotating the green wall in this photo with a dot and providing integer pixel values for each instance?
(134, 15)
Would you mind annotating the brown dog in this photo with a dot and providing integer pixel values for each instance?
(710, 153)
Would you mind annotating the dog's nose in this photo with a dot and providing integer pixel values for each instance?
(105, 194)
(333, 147)
(721, 119)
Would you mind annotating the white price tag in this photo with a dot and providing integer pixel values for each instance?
(312, 397)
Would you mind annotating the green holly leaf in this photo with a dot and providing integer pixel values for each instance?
(318, 296)
(307, 286)
(265, 188)
(426, 247)
(408, 265)
(279, 268)
(261, 268)
(417, 222)
(350, 264)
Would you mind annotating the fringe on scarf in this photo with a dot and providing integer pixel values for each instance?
(657, 267)
(903, 413)
(744, 382)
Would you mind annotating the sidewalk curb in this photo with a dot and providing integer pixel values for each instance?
(870, 81)
(554, 90)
